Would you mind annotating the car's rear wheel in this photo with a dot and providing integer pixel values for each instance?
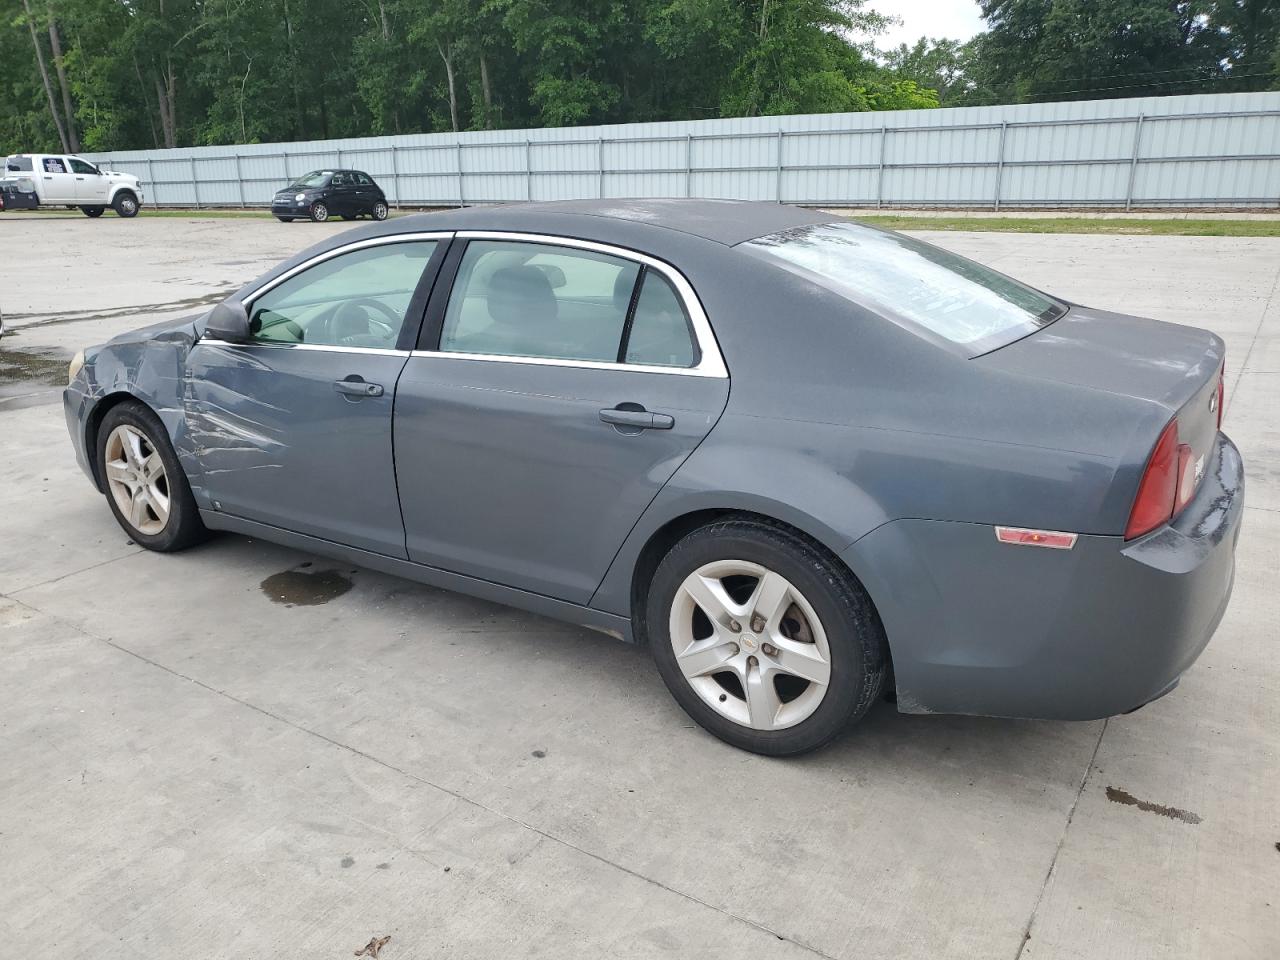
(145, 485)
(380, 211)
(763, 637)
(125, 204)
(93, 211)
(319, 212)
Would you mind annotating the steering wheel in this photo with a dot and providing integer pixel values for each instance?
(354, 314)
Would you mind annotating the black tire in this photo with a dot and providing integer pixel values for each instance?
(379, 210)
(184, 527)
(319, 212)
(125, 204)
(93, 211)
(285, 219)
(855, 636)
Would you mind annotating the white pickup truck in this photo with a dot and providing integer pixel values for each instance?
(30, 180)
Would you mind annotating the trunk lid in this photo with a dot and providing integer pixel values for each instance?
(1170, 365)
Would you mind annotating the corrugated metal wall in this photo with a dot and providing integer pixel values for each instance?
(1206, 150)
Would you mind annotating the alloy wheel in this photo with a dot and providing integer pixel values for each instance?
(750, 644)
(319, 212)
(128, 206)
(379, 211)
(137, 479)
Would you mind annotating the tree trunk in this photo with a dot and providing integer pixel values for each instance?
(446, 54)
(487, 92)
(146, 103)
(69, 114)
(44, 75)
(386, 26)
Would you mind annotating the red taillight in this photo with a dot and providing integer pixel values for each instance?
(1154, 504)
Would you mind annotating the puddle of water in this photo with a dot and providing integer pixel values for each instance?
(302, 588)
(1116, 795)
(43, 367)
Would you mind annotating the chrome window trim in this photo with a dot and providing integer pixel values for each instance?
(710, 364)
(325, 347)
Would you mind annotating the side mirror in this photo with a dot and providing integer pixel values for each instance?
(228, 321)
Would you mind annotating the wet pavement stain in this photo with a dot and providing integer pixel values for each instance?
(1116, 795)
(301, 588)
(44, 367)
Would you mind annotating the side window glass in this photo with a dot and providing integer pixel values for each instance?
(356, 299)
(79, 166)
(54, 165)
(661, 334)
(339, 180)
(537, 300)
(364, 180)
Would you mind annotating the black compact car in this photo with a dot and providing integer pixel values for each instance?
(322, 194)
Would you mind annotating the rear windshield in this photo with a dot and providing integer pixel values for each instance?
(21, 164)
(953, 298)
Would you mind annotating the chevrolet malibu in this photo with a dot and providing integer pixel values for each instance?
(807, 462)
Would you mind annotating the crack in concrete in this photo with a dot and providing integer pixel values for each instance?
(599, 858)
(1257, 332)
(1062, 840)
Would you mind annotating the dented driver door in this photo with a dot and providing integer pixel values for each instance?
(293, 427)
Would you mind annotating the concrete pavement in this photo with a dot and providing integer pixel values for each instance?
(243, 751)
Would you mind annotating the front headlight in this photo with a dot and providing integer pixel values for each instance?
(300, 197)
(77, 364)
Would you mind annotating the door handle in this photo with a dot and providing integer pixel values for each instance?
(355, 386)
(636, 417)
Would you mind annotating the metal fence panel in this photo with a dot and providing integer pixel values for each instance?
(1199, 150)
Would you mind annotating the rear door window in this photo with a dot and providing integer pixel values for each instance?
(522, 299)
(660, 334)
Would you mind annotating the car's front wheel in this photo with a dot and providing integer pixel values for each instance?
(380, 210)
(125, 204)
(763, 637)
(319, 212)
(145, 485)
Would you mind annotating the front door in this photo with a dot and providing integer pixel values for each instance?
(565, 386)
(91, 186)
(293, 429)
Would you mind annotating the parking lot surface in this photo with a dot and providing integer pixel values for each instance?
(243, 751)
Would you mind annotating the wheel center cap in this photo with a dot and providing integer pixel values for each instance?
(749, 642)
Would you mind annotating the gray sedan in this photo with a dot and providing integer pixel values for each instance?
(808, 462)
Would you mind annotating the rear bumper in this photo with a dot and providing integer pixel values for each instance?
(979, 627)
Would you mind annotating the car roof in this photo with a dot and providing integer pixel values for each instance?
(722, 221)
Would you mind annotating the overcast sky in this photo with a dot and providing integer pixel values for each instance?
(949, 19)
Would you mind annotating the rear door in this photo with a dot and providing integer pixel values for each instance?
(560, 386)
(293, 429)
(57, 182)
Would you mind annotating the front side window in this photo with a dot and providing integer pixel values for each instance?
(339, 180)
(943, 293)
(537, 300)
(356, 299)
(79, 166)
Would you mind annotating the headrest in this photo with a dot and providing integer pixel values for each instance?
(521, 295)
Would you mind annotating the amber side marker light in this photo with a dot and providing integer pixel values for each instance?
(1053, 539)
